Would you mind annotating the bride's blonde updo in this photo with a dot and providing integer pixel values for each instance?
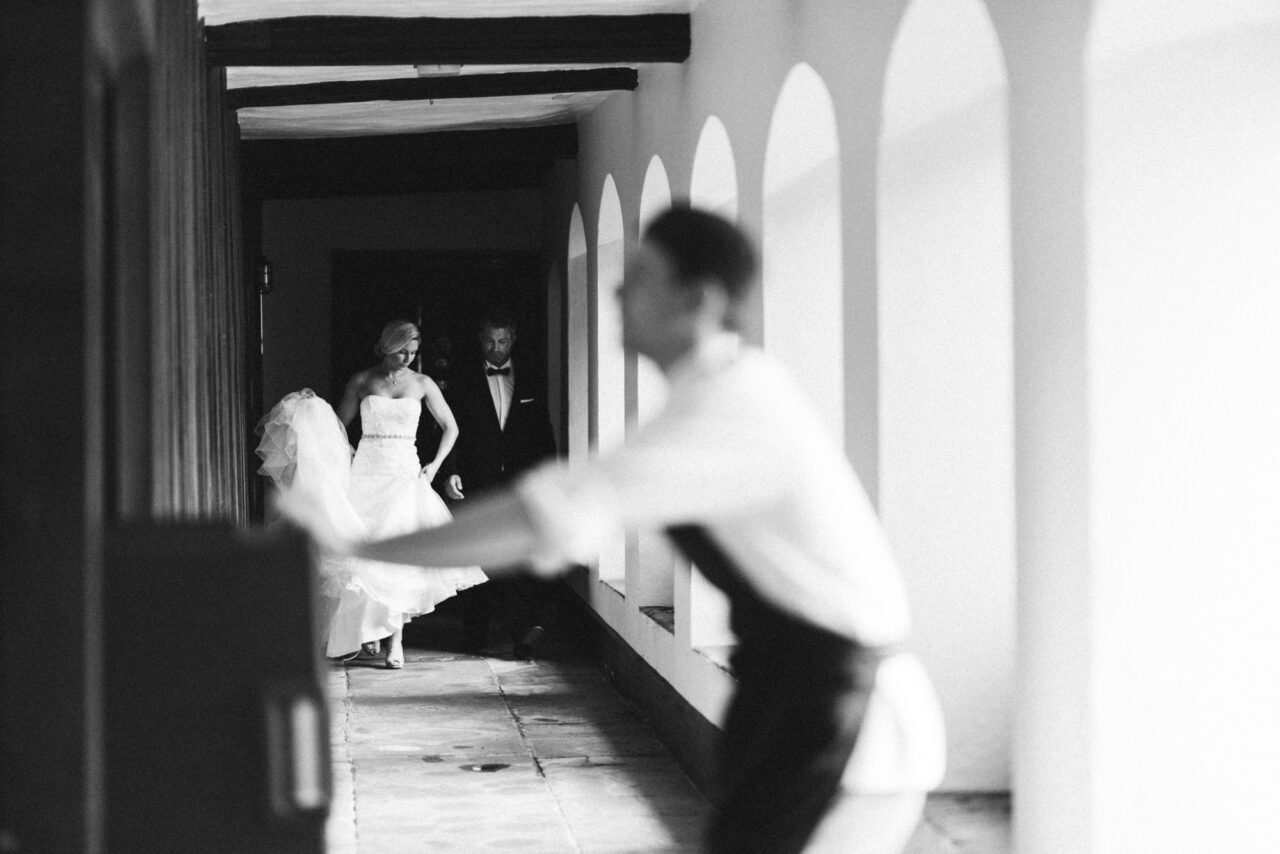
(395, 335)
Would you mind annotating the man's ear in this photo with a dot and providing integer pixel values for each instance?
(711, 300)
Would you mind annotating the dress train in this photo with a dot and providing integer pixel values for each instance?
(380, 493)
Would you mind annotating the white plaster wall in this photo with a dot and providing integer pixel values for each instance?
(1144, 374)
(736, 81)
(666, 117)
(1184, 286)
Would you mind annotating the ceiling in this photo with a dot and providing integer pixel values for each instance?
(310, 69)
(376, 97)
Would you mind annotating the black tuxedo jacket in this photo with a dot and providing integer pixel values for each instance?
(486, 455)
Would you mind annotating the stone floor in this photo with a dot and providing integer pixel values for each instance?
(477, 753)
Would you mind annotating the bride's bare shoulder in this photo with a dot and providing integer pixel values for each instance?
(426, 383)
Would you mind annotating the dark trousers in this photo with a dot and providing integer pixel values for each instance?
(794, 720)
(791, 728)
(519, 602)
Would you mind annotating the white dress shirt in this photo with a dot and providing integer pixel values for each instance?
(739, 450)
(501, 387)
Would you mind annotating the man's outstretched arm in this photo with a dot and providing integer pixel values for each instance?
(493, 532)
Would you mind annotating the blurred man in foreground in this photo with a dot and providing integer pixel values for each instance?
(834, 735)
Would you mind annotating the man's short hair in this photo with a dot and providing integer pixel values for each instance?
(498, 318)
(705, 245)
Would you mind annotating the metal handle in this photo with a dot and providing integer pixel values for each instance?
(299, 779)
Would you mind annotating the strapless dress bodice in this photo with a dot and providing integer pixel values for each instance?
(389, 417)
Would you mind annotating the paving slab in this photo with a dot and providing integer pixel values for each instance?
(481, 753)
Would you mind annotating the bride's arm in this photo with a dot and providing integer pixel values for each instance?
(440, 411)
(350, 404)
(494, 531)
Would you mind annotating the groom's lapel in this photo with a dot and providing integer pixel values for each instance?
(486, 400)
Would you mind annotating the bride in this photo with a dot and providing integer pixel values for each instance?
(382, 492)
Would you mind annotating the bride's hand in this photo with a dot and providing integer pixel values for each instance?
(429, 471)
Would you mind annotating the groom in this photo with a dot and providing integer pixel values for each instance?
(505, 427)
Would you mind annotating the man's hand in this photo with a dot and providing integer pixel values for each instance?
(453, 487)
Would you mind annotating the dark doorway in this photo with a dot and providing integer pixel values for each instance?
(443, 292)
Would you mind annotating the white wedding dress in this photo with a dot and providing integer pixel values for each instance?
(380, 493)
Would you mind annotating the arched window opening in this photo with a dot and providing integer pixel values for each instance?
(714, 182)
(946, 369)
(610, 365)
(713, 185)
(801, 260)
(652, 578)
(655, 198)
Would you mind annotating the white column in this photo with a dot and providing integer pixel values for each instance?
(1053, 735)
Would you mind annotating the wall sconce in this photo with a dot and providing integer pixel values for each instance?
(262, 276)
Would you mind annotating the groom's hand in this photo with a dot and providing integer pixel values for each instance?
(453, 487)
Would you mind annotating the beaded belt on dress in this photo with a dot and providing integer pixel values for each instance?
(385, 436)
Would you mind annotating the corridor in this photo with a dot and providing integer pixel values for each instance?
(467, 753)
(1020, 256)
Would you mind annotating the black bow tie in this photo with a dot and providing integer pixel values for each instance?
(492, 372)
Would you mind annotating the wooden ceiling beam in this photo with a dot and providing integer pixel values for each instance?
(340, 40)
(434, 88)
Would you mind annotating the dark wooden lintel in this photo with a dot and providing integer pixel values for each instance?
(431, 88)
(341, 40)
(404, 163)
(549, 141)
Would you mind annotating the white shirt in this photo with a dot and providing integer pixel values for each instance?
(501, 387)
(739, 450)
